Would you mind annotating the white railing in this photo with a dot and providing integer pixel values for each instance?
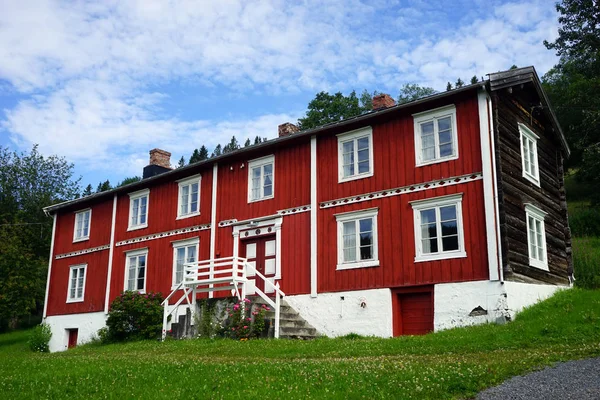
(228, 273)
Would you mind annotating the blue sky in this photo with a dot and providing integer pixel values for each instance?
(101, 83)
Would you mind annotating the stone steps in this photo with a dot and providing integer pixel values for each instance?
(291, 324)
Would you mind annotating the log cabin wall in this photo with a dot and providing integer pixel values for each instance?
(510, 107)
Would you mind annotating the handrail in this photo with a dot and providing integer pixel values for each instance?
(279, 295)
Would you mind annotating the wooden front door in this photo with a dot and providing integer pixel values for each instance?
(73, 338)
(261, 253)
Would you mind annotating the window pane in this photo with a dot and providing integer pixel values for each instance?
(450, 243)
(445, 137)
(363, 167)
(444, 124)
(366, 225)
(366, 252)
(350, 254)
(191, 254)
(268, 180)
(268, 169)
(185, 190)
(363, 143)
(446, 150)
(429, 246)
(348, 147)
(427, 216)
(348, 170)
(349, 228)
(363, 155)
(268, 190)
(428, 231)
(427, 141)
(428, 154)
(427, 128)
(448, 213)
(449, 228)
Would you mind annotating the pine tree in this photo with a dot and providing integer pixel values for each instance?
(459, 83)
(103, 186)
(248, 143)
(217, 151)
(203, 153)
(257, 140)
(195, 157)
(233, 145)
(87, 191)
(448, 87)
(474, 80)
(181, 162)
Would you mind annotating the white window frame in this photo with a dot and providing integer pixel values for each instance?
(434, 115)
(437, 202)
(355, 216)
(138, 196)
(188, 182)
(260, 163)
(185, 243)
(527, 136)
(136, 253)
(78, 215)
(538, 215)
(70, 286)
(354, 136)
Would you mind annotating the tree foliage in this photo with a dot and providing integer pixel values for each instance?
(127, 181)
(412, 91)
(198, 155)
(135, 316)
(233, 145)
(326, 108)
(103, 186)
(28, 183)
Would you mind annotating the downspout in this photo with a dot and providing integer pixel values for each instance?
(49, 264)
(110, 254)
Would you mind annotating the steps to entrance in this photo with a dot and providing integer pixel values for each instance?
(291, 324)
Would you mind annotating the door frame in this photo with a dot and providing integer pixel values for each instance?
(396, 311)
(264, 227)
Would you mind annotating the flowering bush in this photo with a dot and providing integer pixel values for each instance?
(258, 326)
(240, 325)
(40, 338)
(135, 316)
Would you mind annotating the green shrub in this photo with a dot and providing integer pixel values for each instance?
(584, 219)
(135, 316)
(586, 262)
(40, 338)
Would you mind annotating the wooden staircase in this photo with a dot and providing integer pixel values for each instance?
(291, 324)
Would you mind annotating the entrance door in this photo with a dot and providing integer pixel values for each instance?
(73, 338)
(261, 253)
(413, 313)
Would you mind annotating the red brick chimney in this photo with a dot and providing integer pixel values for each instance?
(161, 158)
(383, 101)
(287, 129)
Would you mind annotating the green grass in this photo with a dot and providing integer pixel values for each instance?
(450, 364)
(586, 262)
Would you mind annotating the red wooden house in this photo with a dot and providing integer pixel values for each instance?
(445, 211)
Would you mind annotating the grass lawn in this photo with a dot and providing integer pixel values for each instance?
(451, 364)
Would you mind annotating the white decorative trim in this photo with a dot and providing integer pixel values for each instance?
(436, 203)
(355, 216)
(227, 222)
(403, 190)
(313, 216)
(81, 252)
(110, 254)
(49, 265)
(488, 186)
(528, 134)
(261, 162)
(346, 137)
(434, 115)
(134, 196)
(161, 235)
(213, 222)
(294, 210)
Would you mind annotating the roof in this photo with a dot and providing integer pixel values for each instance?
(497, 81)
(517, 76)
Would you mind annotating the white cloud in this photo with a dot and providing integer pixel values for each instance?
(90, 70)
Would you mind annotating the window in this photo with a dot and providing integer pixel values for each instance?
(184, 251)
(261, 180)
(135, 271)
(536, 236)
(82, 225)
(438, 228)
(76, 283)
(357, 239)
(355, 154)
(436, 136)
(529, 155)
(188, 204)
(138, 209)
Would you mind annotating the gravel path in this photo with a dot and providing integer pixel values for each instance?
(571, 380)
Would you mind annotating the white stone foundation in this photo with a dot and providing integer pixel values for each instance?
(341, 313)
(87, 324)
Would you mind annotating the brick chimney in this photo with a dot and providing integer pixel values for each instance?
(161, 158)
(383, 101)
(287, 129)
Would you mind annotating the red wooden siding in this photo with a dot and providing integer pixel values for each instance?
(95, 284)
(397, 244)
(162, 209)
(394, 155)
(292, 184)
(99, 228)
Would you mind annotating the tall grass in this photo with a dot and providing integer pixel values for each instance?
(584, 219)
(586, 262)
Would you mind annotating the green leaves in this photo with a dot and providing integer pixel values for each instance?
(135, 316)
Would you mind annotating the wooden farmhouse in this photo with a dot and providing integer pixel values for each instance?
(446, 211)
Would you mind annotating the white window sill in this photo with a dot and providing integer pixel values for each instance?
(356, 177)
(361, 264)
(531, 179)
(81, 239)
(538, 264)
(136, 227)
(440, 256)
(436, 161)
(261, 199)
(187, 215)
(75, 301)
